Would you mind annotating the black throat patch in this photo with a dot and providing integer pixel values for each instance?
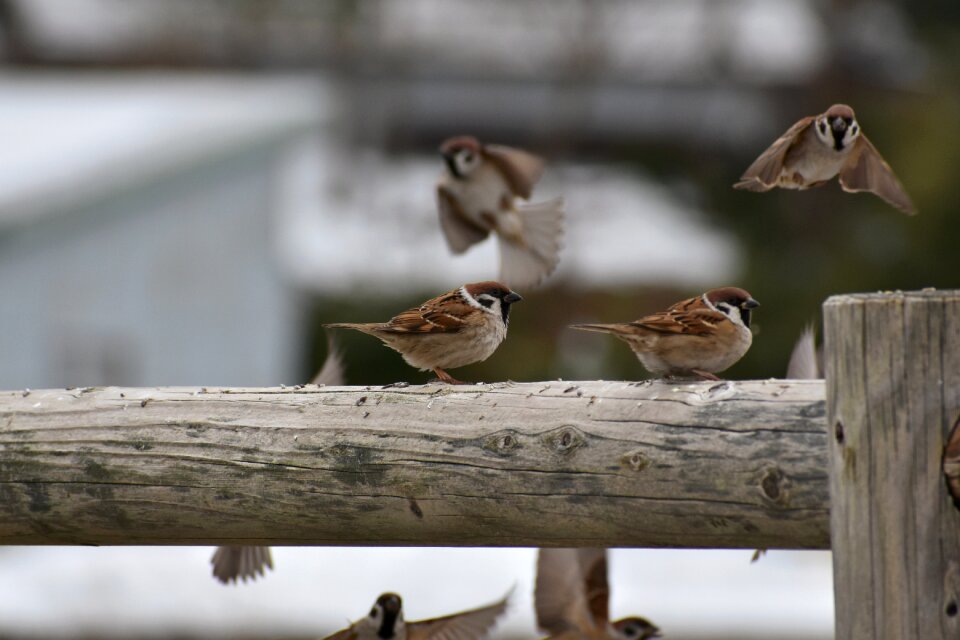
(388, 625)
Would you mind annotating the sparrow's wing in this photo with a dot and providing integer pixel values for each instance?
(762, 175)
(461, 232)
(520, 168)
(868, 171)
(350, 633)
(232, 562)
(466, 625)
(694, 322)
(332, 372)
(804, 364)
(593, 563)
(447, 313)
(560, 596)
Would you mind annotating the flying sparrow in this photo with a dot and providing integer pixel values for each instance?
(458, 328)
(571, 598)
(697, 337)
(816, 149)
(232, 563)
(477, 195)
(385, 622)
(806, 361)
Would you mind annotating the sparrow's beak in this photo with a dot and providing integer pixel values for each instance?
(838, 124)
(750, 303)
(512, 297)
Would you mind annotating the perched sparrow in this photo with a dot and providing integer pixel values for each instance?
(571, 598)
(460, 327)
(385, 622)
(240, 562)
(477, 194)
(697, 337)
(805, 360)
(816, 149)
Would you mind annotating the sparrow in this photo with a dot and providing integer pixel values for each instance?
(816, 149)
(477, 194)
(697, 337)
(232, 563)
(806, 361)
(385, 622)
(458, 328)
(571, 598)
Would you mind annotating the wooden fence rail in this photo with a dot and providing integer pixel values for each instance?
(732, 464)
(728, 464)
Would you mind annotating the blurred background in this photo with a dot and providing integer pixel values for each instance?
(190, 188)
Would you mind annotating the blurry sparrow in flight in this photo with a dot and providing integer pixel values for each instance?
(806, 361)
(458, 328)
(385, 622)
(476, 195)
(571, 598)
(697, 337)
(816, 149)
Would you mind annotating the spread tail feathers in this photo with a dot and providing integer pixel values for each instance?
(525, 265)
(232, 563)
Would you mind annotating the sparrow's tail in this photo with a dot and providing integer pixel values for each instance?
(527, 261)
(366, 327)
(616, 329)
(232, 563)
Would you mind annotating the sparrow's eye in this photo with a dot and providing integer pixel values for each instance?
(485, 300)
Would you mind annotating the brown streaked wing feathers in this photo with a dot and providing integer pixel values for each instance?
(466, 625)
(443, 314)
(521, 169)
(461, 232)
(762, 175)
(868, 171)
(695, 322)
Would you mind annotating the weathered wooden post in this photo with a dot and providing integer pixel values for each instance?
(893, 396)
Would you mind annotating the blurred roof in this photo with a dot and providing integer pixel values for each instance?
(80, 135)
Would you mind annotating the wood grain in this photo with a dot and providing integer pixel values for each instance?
(731, 464)
(893, 395)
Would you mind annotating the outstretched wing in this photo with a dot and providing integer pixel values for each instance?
(461, 232)
(868, 171)
(762, 175)
(521, 169)
(466, 625)
(571, 593)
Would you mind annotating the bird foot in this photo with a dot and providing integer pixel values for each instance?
(443, 376)
(705, 375)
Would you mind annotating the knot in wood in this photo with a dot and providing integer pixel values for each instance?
(502, 442)
(773, 485)
(635, 460)
(565, 439)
